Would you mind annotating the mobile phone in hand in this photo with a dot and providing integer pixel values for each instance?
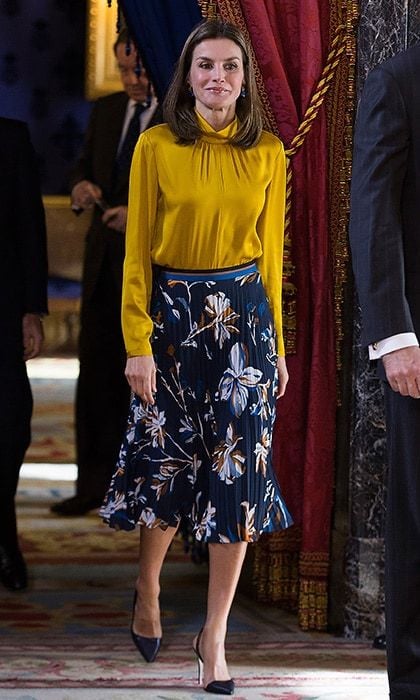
(102, 204)
(76, 209)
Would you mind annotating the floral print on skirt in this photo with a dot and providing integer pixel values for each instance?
(204, 448)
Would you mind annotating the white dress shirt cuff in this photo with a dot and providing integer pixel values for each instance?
(394, 342)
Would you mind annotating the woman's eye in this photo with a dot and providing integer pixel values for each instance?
(205, 65)
(231, 66)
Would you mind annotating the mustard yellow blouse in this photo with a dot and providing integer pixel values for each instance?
(201, 206)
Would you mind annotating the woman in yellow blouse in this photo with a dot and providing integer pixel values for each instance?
(203, 332)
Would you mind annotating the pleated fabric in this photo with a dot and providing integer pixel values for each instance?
(203, 450)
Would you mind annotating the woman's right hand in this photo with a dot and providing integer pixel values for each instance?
(140, 372)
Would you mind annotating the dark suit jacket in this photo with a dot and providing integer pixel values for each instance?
(23, 251)
(97, 164)
(385, 199)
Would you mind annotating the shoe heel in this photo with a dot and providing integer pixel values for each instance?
(215, 687)
(199, 671)
(196, 650)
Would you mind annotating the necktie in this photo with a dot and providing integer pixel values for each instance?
(125, 155)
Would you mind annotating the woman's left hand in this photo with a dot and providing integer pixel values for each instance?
(283, 376)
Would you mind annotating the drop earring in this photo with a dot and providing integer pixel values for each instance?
(243, 91)
(190, 91)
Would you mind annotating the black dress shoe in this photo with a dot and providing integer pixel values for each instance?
(216, 687)
(379, 642)
(76, 505)
(13, 569)
(147, 646)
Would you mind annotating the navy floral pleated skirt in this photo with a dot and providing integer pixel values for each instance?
(203, 450)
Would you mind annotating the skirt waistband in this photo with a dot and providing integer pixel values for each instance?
(224, 273)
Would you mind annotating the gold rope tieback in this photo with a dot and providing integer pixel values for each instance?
(338, 47)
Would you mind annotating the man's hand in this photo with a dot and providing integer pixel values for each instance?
(140, 372)
(33, 335)
(402, 369)
(283, 376)
(84, 194)
(116, 218)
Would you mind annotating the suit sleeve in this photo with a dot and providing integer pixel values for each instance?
(83, 170)
(382, 139)
(137, 279)
(30, 228)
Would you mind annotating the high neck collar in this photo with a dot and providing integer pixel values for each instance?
(211, 135)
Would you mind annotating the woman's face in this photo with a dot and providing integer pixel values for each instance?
(216, 75)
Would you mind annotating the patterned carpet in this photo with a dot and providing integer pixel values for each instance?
(66, 637)
(53, 387)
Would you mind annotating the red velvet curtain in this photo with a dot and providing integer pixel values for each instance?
(290, 40)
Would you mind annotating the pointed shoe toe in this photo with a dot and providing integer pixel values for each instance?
(147, 646)
(221, 687)
(215, 687)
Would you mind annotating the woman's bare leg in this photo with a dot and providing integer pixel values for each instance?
(225, 562)
(154, 544)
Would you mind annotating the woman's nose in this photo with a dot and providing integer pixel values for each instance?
(219, 73)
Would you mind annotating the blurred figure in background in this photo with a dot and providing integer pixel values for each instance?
(100, 183)
(23, 300)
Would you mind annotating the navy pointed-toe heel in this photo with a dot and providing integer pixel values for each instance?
(215, 687)
(147, 646)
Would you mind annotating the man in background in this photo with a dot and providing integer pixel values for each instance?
(385, 241)
(100, 182)
(23, 300)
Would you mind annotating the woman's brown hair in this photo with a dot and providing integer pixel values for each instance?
(178, 106)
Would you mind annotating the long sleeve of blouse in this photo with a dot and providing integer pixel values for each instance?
(208, 205)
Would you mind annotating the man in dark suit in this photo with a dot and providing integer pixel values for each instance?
(23, 299)
(101, 182)
(385, 237)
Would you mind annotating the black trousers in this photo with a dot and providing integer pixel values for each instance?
(15, 418)
(402, 578)
(102, 396)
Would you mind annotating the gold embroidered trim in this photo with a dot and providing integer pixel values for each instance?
(208, 8)
(313, 604)
(340, 109)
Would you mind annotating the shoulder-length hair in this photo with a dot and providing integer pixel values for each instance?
(178, 106)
